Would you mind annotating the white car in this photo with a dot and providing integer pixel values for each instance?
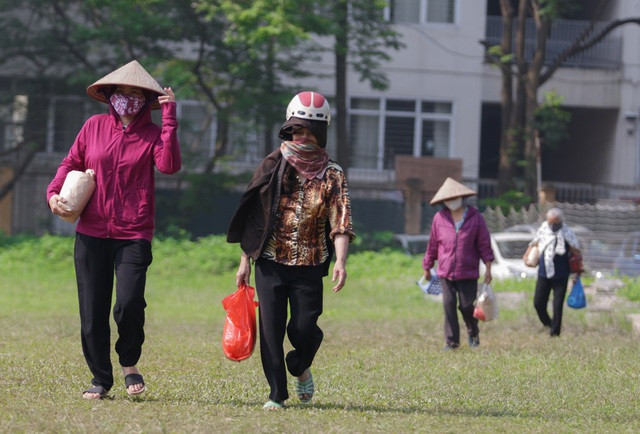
(508, 248)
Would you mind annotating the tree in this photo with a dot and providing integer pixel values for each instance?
(242, 70)
(522, 78)
(362, 38)
(54, 46)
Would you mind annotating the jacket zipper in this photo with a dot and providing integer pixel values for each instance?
(116, 165)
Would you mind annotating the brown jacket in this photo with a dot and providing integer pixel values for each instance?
(256, 215)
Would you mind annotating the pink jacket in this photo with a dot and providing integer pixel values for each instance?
(123, 204)
(458, 253)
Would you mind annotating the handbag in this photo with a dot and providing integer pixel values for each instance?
(531, 256)
(486, 308)
(575, 263)
(577, 299)
(239, 332)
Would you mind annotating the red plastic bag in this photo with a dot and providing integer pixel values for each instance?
(239, 333)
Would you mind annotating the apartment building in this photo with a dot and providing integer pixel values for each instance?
(442, 102)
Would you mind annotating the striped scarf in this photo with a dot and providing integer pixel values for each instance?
(310, 160)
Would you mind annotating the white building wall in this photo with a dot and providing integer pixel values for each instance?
(445, 62)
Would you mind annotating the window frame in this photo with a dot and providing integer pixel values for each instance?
(418, 118)
(423, 18)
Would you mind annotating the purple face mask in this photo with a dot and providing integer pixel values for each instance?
(126, 105)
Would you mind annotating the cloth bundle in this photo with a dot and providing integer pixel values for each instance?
(77, 190)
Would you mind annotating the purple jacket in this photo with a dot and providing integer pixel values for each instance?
(458, 253)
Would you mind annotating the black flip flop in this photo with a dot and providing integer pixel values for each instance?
(96, 389)
(130, 380)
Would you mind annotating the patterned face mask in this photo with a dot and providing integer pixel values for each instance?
(126, 105)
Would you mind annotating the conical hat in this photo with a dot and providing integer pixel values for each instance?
(131, 74)
(451, 189)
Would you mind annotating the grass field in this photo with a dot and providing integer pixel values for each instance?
(381, 367)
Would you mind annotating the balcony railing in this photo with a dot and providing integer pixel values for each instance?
(604, 55)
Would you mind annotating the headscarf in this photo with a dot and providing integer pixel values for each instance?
(317, 128)
(553, 243)
(309, 159)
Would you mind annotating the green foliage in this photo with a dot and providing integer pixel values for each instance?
(380, 367)
(511, 199)
(551, 120)
(495, 51)
(35, 253)
(631, 289)
(375, 241)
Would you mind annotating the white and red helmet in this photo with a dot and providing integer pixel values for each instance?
(309, 105)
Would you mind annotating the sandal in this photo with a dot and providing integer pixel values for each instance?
(273, 405)
(101, 391)
(130, 380)
(305, 388)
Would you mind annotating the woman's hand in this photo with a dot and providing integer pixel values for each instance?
(59, 207)
(427, 275)
(169, 97)
(487, 274)
(244, 271)
(339, 274)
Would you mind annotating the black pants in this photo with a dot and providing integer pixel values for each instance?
(465, 291)
(300, 288)
(541, 298)
(96, 259)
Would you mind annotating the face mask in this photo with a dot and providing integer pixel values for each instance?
(555, 227)
(453, 204)
(126, 105)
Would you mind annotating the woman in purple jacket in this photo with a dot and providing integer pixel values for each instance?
(459, 240)
(114, 233)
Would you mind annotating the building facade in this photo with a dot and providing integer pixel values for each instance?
(443, 101)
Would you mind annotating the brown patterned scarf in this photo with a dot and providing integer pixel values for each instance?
(309, 159)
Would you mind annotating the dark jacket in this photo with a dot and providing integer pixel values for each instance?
(254, 219)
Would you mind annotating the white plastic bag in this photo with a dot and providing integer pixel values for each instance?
(77, 190)
(486, 305)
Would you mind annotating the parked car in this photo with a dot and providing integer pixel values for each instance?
(628, 259)
(579, 230)
(508, 248)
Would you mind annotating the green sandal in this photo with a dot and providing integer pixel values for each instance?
(305, 388)
(273, 405)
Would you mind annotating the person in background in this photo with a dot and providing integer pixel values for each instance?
(115, 229)
(459, 239)
(555, 240)
(295, 210)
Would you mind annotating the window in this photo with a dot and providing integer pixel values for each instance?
(381, 129)
(423, 11)
(67, 114)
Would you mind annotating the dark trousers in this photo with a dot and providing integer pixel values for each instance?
(464, 291)
(300, 288)
(96, 259)
(541, 298)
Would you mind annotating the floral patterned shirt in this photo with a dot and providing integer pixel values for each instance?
(306, 207)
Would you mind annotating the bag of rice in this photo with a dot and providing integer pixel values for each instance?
(77, 190)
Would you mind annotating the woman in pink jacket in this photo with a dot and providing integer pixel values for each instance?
(459, 240)
(115, 229)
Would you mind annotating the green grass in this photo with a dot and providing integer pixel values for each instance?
(381, 367)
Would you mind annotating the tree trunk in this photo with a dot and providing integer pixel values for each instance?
(341, 52)
(505, 172)
(221, 142)
(543, 27)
